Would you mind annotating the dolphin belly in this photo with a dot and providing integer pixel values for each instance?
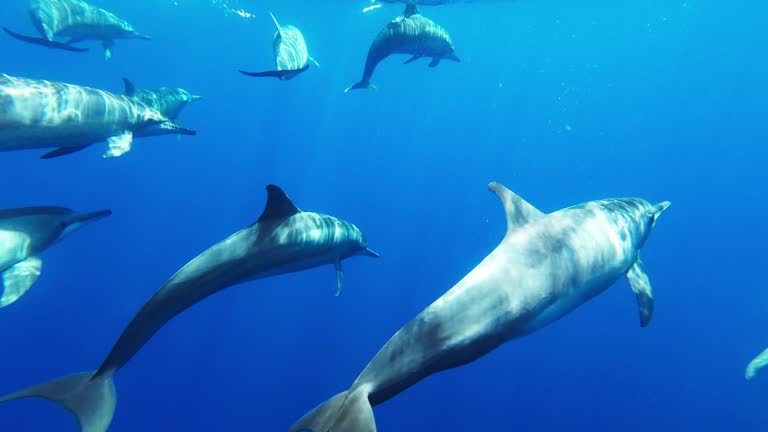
(14, 247)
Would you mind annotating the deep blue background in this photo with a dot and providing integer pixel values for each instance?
(562, 101)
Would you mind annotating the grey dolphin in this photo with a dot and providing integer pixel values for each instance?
(546, 266)
(756, 365)
(41, 114)
(168, 100)
(25, 233)
(284, 239)
(411, 34)
(78, 21)
(290, 51)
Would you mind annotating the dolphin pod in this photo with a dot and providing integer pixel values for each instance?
(26, 232)
(284, 239)
(545, 267)
(78, 21)
(44, 114)
(290, 51)
(411, 34)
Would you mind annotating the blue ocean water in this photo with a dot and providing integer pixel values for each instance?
(562, 101)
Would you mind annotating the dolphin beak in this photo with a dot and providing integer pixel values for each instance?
(142, 36)
(196, 97)
(369, 252)
(178, 129)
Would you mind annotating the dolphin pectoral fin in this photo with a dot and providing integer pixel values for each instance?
(108, 44)
(18, 279)
(453, 57)
(44, 42)
(413, 59)
(641, 286)
(119, 145)
(756, 365)
(339, 277)
(435, 61)
(519, 212)
(278, 207)
(130, 89)
(62, 151)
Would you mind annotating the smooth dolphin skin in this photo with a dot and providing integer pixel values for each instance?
(757, 364)
(25, 233)
(408, 34)
(284, 239)
(44, 114)
(169, 101)
(290, 51)
(546, 266)
(77, 21)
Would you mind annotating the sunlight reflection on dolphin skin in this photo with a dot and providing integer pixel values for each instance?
(756, 365)
(14, 247)
(78, 20)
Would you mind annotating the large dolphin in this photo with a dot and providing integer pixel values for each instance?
(546, 266)
(77, 21)
(25, 233)
(284, 239)
(290, 51)
(168, 100)
(43, 114)
(411, 34)
(756, 365)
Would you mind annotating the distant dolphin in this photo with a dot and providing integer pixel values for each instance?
(546, 266)
(26, 232)
(40, 114)
(168, 100)
(408, 34)
(756, 365)
(284, 239)
(78, 21)
(290, 51)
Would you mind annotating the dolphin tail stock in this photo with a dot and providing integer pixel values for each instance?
(361, 85)
(44, 42)
(91, 399)
(279, 74)
(345, 412)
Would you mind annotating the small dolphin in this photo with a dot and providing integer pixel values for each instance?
(284, 239)
(169, 101)
(756, 365)
(290, 51)
(40, 114)
(78, 21)
(26, 232)
(545, 267)
(408, 34)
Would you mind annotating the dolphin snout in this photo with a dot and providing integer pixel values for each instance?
(142, 36)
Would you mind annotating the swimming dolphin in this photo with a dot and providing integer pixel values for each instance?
(290, 51)
(25, 233)
(78, 21)
(546, 266)
(756, 365)
(40, 114)
(284, 239)
(408, 34)
(169, 101)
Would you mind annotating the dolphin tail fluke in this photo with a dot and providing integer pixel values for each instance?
(90, 398)
(279, 74)
(361, 85)
(344, 412)
(44, 42)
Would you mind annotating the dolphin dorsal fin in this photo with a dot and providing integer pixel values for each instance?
(410, 9)
(519, 211)
(130, 89)
(278, 207)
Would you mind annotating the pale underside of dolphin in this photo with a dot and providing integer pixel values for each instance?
(545, 267)
(757, 364)
(75, 21)
(170, 101)
(290, 52)
(69, 118)
(284, 239)
(24, 234)
(411, 34)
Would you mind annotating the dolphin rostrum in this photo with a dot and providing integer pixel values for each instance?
(26, 232)
(290, 51)
(546, 266)
(43, 114)
(411, 34)
(168, 100)
(284, 239)
(78, 21)
(756, 365)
